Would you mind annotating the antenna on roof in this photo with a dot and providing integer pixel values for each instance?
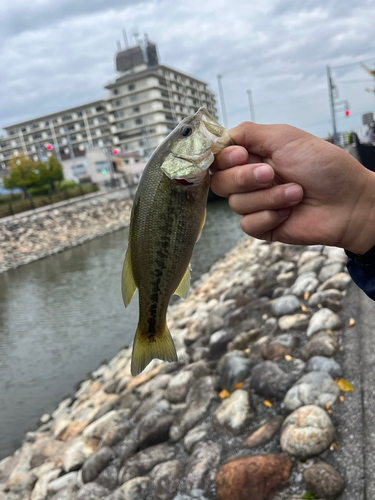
(136, 36)
(118, 45)
(125, 39)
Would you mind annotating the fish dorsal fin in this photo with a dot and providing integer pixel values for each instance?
(183, 288)
(203, 220)
(128, 284)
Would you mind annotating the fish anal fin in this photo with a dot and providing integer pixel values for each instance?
(183, 288)
(203, 220)
(128, 284)
(146, 348)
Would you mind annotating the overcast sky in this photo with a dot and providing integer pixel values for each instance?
(57, 54)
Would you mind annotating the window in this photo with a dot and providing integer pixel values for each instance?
(168, 117)
(101, 165)
(99, 108)
(79, 169)
(162, 83)
(65, 118)
(138, 121)
(133, 98)
(79, 113)
(118, 102)
(115, 91)
(136, 109)
(131, 86)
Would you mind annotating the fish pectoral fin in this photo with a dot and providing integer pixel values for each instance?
(203, 220)
(128, 284)
(183, 288)
(146, 348)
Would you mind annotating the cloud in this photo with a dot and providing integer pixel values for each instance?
(61, 54)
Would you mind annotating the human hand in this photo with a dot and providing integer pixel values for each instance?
(308, 191)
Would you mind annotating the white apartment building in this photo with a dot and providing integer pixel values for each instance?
(140, 108)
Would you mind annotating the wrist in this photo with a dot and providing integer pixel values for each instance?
(361, 238)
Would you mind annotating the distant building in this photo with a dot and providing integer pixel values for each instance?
(140, 108)
(97, 165)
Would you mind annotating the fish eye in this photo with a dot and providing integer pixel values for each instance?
(186, 131)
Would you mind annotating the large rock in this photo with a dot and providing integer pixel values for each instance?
(92, 491)
(179, 386)
(78, 453)
(254, 477)
(166, 478)
(321, 344)
(324, 319)
(339, 281)
(285, 305)
(39, 491)
(154, 427)
(102, 425)
(67, 481)
(195, 435)
(293, 322)
(108, 477)
(269, 380)
(234, 413)
(307, 282)
(138, 488)
(265, 433)
(321, 363)
(96, 463)
(199, 398)
(306, 432)
(323, 480)
(234, 370)
(142, 462)
(314, 388)
(329, 270)
(201, 468)
(322, 297)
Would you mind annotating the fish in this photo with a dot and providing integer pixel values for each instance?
(167, 218)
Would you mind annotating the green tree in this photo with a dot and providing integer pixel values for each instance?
(22, 173)
(50, 172)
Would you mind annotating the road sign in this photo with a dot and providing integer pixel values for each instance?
(367, 118)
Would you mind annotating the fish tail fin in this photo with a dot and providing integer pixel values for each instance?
(146, 348)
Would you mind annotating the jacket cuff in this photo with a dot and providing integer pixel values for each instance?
(367, 259)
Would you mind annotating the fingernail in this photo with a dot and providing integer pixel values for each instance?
(284, 212)
(237, 157)
(263, 174)
(293, 193)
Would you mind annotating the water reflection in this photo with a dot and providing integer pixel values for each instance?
(61, 316)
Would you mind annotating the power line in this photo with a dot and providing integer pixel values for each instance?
(353, 64)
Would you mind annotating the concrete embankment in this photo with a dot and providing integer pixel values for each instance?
(35, 236)
(252, 405)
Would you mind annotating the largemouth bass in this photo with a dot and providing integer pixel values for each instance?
(167, 217)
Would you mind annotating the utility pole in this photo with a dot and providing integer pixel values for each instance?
(222, 102)
(252, 115)
(331, 88)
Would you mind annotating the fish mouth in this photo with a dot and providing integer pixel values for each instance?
(184, 182)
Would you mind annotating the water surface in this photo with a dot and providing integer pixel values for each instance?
(60, 317)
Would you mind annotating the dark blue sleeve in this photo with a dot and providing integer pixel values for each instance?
(362, 271)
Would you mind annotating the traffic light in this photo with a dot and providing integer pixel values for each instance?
(49, 147)
(347, 112)
(115, 151)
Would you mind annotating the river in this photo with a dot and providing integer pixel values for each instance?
(60, 317)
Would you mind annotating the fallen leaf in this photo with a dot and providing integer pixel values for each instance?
(351, 323)
(306, 296)
(247, 351)
(334, 446)
(327, 407)
(304, 309)
(287, 357)
(238, 386)
(224, 394)
(328, 330)
(267, 403)
(341, 348)
(342, 399)
(309, 495)
(344, 385)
